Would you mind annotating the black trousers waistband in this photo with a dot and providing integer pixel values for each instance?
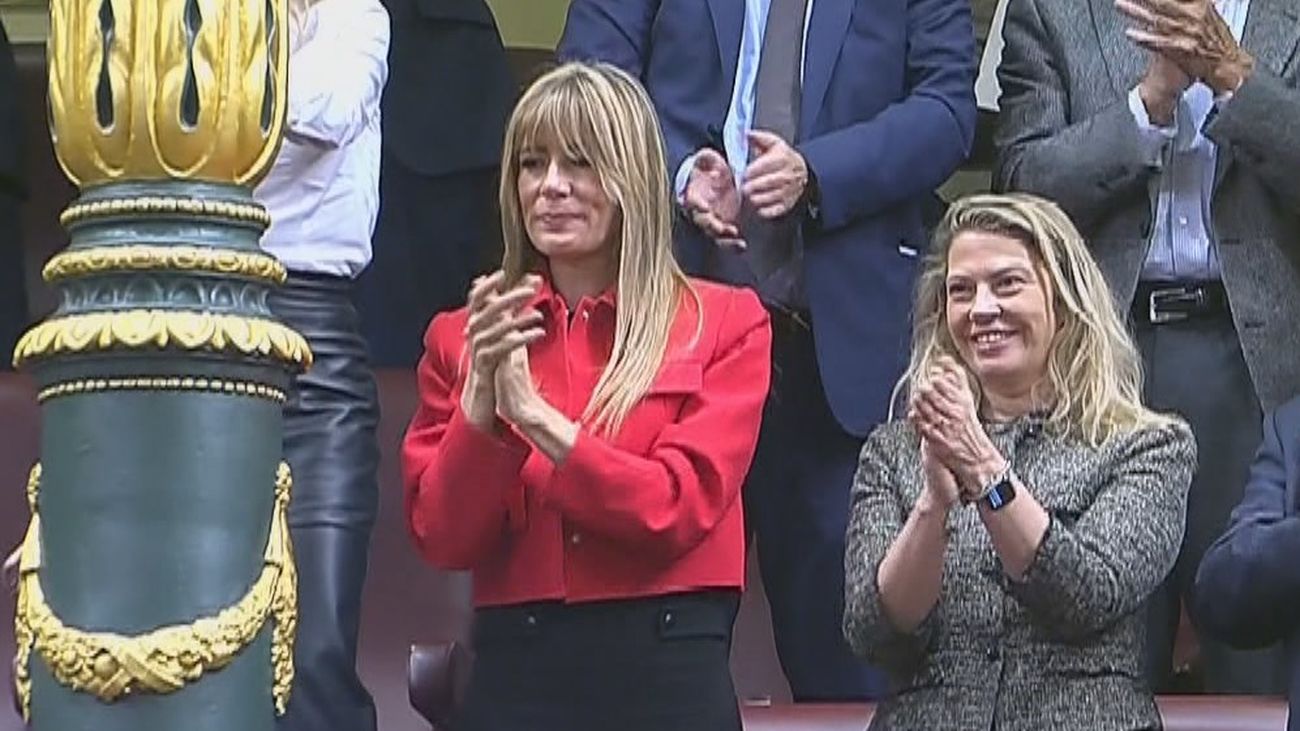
(709, 612)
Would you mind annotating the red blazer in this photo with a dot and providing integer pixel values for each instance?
(656, 509)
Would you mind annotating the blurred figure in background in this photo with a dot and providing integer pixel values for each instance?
(445, 105)
(13, 188)
(1248, 584)
(323, 194)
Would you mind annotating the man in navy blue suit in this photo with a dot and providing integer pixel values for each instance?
(1247, 590)
(13, 287)
(806, 136)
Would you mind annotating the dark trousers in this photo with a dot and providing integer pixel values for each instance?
(329, 441)
(797, 503)
(653, 664)
(13, 286)
(1195, 368)
(434, 234)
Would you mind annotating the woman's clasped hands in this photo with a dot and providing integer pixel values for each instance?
(957, 455)
(500, 327)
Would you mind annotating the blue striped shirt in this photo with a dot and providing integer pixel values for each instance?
(1182, 234)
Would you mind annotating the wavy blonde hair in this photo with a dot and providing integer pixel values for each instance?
(1094, 372)
(599, 113)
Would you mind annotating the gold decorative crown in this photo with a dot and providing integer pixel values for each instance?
(166, 89)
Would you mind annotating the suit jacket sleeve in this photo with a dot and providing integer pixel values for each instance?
(458, 480)
(337, 76)
(666, 501)
(1091, 571)
(914, 144)
(616, 32)
(1248, 585)
(1086, 166)
(1256, 122)
(613, 31)
(876, 515)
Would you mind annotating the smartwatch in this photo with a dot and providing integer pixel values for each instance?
(1000, 492)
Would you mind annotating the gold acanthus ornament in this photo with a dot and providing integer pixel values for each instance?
(111, 666)
(167, 89)
(183, 330)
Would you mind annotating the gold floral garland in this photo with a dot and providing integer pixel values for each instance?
(111, 666)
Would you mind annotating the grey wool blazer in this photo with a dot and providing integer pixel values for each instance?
(1065, 132)
(1059, 649)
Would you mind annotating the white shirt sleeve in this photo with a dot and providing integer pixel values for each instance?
(1154, 138)
(336, 77)
(683, 177)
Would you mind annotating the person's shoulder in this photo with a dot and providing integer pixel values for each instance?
(1168, 436)
(446, 331)
(728, 301)
(716, 318)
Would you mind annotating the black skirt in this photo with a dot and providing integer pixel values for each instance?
(654, 664)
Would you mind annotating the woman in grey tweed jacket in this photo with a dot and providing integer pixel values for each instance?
(1005, 535)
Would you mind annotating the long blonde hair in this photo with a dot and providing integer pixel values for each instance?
(1094, 372)
(597, 112)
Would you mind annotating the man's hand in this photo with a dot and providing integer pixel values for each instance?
(776, 177)
(1161, 88)
(711, 198)
(1192, 34)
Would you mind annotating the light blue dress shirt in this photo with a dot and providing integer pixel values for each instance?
(1182, 234)
(741, 110)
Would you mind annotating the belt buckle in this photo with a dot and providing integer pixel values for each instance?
(1169, 295)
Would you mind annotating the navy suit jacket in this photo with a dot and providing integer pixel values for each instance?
(888, 112)
(1248, 584)
(446, 55)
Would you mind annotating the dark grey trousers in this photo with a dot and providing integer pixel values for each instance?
(1195, 368)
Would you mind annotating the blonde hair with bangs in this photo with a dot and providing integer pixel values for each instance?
(598, 113)
(1094, 372)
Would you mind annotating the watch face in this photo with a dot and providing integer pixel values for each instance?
(1001, 494)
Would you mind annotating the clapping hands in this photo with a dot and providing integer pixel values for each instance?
(497, 333)
(955, 450)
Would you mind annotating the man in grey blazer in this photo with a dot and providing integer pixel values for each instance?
(1166, 129)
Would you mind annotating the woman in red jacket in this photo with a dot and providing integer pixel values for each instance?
(584, 427)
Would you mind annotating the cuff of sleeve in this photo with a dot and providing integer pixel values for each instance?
(1041, 566)
(578, 467)
(502, 454)
(1154, 138)
(682, 178)
(890, 645)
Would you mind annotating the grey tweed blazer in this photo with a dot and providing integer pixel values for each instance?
(1065, 132)
(1060, 650)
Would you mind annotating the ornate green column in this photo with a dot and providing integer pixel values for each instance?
(157, 586)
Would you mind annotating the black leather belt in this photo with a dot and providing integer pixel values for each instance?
(1159, 303)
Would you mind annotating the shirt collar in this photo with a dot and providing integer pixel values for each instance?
(550, 302)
